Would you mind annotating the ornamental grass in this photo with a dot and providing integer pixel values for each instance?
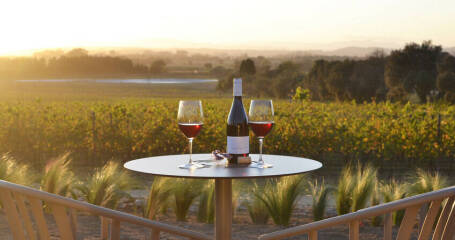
(280, 197)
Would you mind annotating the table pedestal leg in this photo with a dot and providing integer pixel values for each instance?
(223, 214)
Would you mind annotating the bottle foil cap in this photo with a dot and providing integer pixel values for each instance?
(237, 87)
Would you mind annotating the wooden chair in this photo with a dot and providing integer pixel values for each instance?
(430, 203)
(17, 201)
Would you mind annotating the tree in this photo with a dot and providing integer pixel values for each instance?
(446, 84)
(247, 67)
(77, 52)
(338, 79)
(447, 63)
(285, 79)
(208, 66)
(158, 66)
(413, 69)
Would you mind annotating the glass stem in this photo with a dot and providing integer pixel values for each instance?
(191, 149)
(261, 141)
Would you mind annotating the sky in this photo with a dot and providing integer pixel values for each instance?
(253, 24)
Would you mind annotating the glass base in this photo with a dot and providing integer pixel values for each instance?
(192, 166)
(260, 165)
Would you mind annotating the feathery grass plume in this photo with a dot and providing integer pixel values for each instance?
(107, 186)
(393, 191)
(365, 180)
(185, 191)
(345, 187)
(320, 193)
(206, 209)
(257, 209)
(58, 177)
(11, 171)
(426, 181)
(280, 197)
(375, 200)
(158, 196)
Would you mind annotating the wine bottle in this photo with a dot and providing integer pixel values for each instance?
(238, 141)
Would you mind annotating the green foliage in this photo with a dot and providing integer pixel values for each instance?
(388, 134)
(206, 209)
(58, 177)
(13, 172)
(425, 181)
(320, 193)
(280, 196)
(185, 191)
(301, 94)
(107, 186)
(158, 196)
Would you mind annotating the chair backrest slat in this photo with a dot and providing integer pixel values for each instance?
(23, 211)
(115, 230)
(14, 221)
(408, 222)
(443, 218)
(73, 218)
(38, 215)
(388, 224)
(430, 218)
(64, 210)
(448, 231)
(63, 222)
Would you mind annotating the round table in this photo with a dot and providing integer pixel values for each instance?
(167, 166)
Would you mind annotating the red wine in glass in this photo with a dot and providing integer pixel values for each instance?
(261, 129)
(190, 119)
(191, 130)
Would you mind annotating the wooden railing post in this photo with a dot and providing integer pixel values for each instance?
(155, 234)
(313, 235)
(388, 223)
(115, 229)
(104, 228)
(354, 230)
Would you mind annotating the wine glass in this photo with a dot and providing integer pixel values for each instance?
(260, 119)
(190, 119)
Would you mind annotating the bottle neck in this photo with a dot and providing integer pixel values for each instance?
(239, 98)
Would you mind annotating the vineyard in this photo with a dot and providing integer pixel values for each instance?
(392, 136)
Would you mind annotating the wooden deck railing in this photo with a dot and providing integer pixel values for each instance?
(430, 202)
(17, 199)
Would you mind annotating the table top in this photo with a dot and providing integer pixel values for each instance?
(168, 166)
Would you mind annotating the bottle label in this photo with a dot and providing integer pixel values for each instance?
(238, 145)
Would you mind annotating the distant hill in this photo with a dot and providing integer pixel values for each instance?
(450, 50)
(356, 51)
